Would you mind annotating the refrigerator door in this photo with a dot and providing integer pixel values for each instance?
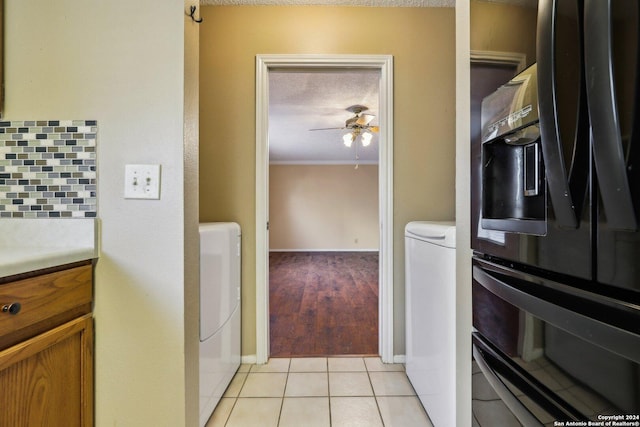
(564, 242)
(611, 54)
(564, 126)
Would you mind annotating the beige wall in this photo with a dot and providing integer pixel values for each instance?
(122, 63)
(323, 207)
(422, 42)
(490, 31)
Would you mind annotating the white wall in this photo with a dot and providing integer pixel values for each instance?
(121, 62)
(191, 217)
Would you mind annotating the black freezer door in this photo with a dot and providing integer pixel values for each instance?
(590, 343)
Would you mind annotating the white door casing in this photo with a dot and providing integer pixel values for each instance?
(383, 63)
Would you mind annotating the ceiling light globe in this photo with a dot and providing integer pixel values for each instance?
(366, 139)
(347, 138)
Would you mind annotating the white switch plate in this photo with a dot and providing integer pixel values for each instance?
(142, 181)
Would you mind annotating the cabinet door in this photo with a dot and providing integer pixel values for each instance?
(48, 380)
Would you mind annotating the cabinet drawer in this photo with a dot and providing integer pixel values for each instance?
(45, 301)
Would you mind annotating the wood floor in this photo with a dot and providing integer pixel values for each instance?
(323, 303)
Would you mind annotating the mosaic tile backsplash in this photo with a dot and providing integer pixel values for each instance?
(48, 169)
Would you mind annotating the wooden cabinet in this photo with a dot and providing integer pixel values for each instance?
(46, 350)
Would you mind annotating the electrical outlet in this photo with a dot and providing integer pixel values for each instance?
(142, 181)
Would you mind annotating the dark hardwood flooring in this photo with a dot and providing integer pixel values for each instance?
(323, 303)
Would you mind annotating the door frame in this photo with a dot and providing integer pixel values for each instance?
(517, 59)
(383, 63)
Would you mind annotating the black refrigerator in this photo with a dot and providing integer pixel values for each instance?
(555, 223)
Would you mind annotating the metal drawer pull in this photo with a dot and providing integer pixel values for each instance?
(13, 308)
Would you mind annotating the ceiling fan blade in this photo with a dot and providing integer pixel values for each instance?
(374, 129)
(328, 128)
(364, 119)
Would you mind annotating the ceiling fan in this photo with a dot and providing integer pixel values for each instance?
(358, 123)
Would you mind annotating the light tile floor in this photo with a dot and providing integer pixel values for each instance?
(322, 392)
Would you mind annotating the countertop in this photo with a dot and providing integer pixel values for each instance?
(34, 244)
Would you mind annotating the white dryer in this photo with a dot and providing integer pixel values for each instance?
(219, 312)
(430, 291)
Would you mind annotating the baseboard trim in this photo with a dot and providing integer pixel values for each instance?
(249, 359)
(399, 358)
(323, 250)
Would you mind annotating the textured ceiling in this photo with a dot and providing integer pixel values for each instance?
(311, 99)
(368, 3)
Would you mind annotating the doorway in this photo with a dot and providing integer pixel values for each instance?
(323, 212)
(383, 63)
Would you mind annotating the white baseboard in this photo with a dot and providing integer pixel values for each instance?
(323, 250)
(399, 358)
(249, 359)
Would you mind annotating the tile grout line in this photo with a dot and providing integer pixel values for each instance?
(235, 399)
(326, 369)
(329, 393)
(284, 392)
(375, 396)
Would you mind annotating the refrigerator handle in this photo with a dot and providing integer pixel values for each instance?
(518, 409)
(526, 293)
(605, 129)
(555, 170)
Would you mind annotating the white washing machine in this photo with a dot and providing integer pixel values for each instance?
(219, 312)
(430, 291)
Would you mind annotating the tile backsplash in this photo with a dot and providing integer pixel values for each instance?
(48, 169)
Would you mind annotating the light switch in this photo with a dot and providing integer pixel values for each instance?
(142, 181)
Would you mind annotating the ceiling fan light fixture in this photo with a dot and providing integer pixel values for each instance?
(348, 138)
(366, 138)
